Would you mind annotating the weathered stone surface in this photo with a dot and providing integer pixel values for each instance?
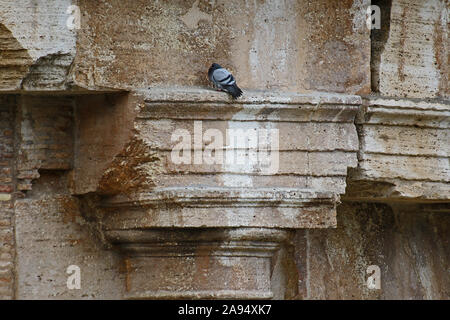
(15, 60)
(163, 43)
(404, 151)
(145, 193)
(411, 58)
(51, 235)
(40, 50)
(7, 243)
(200, 263)
(104, 126)
(46, 136)
(410, 245)
(312, 168)
(85, 171)
(221, 207)
(38, 47)
(335, 43)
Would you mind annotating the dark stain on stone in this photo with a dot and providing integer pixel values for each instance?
(439, 55)
(402, 51)
(49, 71)
(378, 38)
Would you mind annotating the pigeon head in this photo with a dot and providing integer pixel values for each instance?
(215, 66)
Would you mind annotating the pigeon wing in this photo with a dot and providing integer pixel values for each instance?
(223, 77)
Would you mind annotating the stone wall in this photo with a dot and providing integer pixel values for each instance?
(408, 243)
(7, 188)
(174, 42)
(45, 137)
(53, 235)
(411, 50)
(86, 177)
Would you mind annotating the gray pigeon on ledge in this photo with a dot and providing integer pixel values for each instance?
(223, 80)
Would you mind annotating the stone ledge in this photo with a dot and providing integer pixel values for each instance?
(404, 151)
(209, 104)
(406, 112)
(205, 95)
(202, 294)
(199, 197)
(221, 207)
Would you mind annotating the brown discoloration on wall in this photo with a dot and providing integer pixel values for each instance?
(411, 61)
(314, 45)
(441, 47)
(71, 210)
(402, 51)
(202, 263)
(336, 41)
(46, 136)
(131, 170)
(162, 47)
(52, 235)
(409, 247)
(128, 269)
(7, 197)
(104, 125)
(15, 60)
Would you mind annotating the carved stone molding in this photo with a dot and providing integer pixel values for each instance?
(317, 142)
(404, 151)
(198, 263)
(221, 207)
(204, 229)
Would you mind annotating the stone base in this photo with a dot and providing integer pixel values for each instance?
(199, 263)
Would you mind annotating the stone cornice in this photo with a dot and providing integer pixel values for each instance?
(404, 112)
(202, 95)
(317, 143)
(198, 197)
(204, 104)
(404, 151)
(221, 207)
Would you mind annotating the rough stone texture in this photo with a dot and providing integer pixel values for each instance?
(15, 60)
(148, 174)
(221, 207)
(7, 246)
(337, 46)
(104, 125)
(162, 43)
(411, 52)
(39, 48)
(39, 52)
(51, 236)
(404, 151)
(46, 137)
(199, 263)
(409, 245)
(84, 173)
(143, 193)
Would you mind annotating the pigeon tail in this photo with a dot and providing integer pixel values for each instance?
(234, 90)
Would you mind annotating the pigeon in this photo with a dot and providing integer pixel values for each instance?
(223, 80)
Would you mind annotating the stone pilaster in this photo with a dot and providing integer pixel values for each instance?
(222, 263)
(199, 228)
